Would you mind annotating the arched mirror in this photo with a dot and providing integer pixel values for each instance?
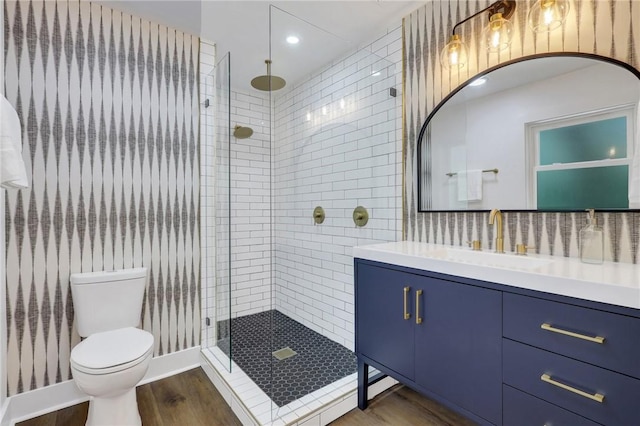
(553, 132)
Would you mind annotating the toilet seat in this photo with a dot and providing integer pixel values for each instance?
(112, 351)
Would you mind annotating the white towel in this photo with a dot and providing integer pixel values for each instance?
(470, 185)
(13, 174)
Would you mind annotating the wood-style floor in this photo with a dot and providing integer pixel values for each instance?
(401, 406)
(190, 399)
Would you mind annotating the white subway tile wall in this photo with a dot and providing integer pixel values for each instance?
(250, 205)
(337, 145)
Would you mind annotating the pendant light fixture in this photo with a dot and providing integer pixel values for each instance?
(547, 15)
(497, 34)
(454, 54)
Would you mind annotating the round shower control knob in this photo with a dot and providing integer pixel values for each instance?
(360, 216)
(318, 215)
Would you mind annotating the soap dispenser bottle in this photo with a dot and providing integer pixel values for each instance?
(592, 241)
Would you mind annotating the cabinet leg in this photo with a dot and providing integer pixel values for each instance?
(363, 384)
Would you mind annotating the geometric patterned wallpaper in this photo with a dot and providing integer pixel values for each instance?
(109, 109)
(608, 28)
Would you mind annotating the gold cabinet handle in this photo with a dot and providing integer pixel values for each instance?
(418, 318)
(596, 397)
(549, 327)
(407, 315)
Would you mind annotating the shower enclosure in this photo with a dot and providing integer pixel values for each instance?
(278, 289)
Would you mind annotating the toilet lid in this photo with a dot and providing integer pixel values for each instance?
(111, 348)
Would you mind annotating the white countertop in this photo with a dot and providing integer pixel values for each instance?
(610, 282)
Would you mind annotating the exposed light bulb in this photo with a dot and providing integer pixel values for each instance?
(547, 15)
(293, 39)
(453, 57)
(495, 39)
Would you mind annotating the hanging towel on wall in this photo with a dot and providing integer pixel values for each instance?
(470, 185)
(13, 174)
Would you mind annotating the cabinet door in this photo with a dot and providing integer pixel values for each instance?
(458, 345)
(382, 332)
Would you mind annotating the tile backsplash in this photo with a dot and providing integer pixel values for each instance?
(546, 233)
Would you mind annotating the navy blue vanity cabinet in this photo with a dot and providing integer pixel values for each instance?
(459, 345)
(441, 337)
(384, 333)
(584, 359)
(498, 354)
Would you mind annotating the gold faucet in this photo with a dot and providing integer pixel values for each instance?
(496, 215)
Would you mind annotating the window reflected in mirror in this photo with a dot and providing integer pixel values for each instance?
(545, 133)
(582, 161)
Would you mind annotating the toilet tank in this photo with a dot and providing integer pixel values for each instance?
(108, 300)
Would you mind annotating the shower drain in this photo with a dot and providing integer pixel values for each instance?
(284, 353)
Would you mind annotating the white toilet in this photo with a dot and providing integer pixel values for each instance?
(115, 355)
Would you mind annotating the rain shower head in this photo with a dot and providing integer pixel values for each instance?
(268, 82)
(240, 132)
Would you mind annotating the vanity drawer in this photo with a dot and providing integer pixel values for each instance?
(524, 317)
(524, 367)
(521, 409)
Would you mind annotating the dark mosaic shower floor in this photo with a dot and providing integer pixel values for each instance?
(319, 361)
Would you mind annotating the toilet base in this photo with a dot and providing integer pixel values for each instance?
(119, 410)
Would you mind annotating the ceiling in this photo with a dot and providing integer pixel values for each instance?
(326, 29)
(521, 74)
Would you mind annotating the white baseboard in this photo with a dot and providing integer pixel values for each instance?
(5, 418)
(28, 405)
(171, 364)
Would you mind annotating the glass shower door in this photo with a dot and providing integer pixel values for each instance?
(221, 258)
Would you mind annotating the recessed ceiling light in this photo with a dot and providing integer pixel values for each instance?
(375, 73)
(478, 82)
(293, 39)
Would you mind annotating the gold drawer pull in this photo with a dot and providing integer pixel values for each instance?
(407, 315)
(418, 318)
(549, 327)
(596, 397)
